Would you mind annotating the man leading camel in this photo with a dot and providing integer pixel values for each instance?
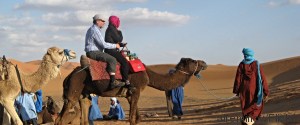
(94, 48)
(251, 87)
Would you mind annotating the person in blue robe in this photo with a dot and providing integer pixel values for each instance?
(94, 110)
(39, 101)
(177, 96)
(26, 109)
(116, 111)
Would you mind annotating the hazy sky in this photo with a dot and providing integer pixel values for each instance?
(159, 31)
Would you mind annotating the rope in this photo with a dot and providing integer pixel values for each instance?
(207, 90)
(81, 69)
(19, 78)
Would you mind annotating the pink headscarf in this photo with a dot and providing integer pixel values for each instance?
(114, 20)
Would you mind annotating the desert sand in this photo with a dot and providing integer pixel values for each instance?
(199, 106)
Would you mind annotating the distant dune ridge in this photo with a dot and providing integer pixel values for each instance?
(200, 107)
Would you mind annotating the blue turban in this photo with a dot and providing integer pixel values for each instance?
(248, 52)
(248, 55)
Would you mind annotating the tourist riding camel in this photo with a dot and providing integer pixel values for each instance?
(114, 35)
(94, 48)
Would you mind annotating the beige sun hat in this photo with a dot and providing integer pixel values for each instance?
(99, 17)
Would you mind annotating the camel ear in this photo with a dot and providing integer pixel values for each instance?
(183, 59)
(49, 51)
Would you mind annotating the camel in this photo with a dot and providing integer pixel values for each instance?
(50, 109)
(18, 81)
(77, 85)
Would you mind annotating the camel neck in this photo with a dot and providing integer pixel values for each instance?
(36, 80)
(166, 82)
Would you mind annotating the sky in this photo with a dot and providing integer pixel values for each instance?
(158, 31)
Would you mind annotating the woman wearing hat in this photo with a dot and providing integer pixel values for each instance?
(251, 86)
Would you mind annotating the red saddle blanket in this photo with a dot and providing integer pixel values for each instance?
(98, 70)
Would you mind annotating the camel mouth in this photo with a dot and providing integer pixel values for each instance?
(202, 64)
(70, 54)
(204, 67)
(196, 73)
(72, 57)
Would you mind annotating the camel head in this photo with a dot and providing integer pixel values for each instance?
(190, 67)
(59, 56)
(51, 105)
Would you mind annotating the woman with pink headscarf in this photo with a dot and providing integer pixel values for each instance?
(114, 35)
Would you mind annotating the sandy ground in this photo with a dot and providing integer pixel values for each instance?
(200, 107)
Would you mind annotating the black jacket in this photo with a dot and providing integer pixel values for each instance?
(112, 35)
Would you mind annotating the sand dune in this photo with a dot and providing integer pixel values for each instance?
(199, 106)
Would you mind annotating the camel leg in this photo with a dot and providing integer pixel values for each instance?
(6, 118)
(138, 117)
(169, 103)
(133, 107)
(76, 116)
(65, 116)
(9, 106)
(84, 105)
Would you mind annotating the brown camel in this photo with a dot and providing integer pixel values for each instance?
(17, 81)
(78, 85)
(50, 109)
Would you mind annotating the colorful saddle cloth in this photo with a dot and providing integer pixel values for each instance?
(98, 70)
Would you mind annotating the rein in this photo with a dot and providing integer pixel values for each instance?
(214, 95)
(198, 76)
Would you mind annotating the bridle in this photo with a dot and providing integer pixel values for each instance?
(66, 55)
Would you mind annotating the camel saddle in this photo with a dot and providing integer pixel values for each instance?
(98, 68)
(3, 69)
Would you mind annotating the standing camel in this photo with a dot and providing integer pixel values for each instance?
(18, 81)
(78, 84)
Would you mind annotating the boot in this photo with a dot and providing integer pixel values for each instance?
(130, 87)
(114, 83)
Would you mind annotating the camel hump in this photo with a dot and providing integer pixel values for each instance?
(84, 61)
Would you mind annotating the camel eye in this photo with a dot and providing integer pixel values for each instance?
(60, 52)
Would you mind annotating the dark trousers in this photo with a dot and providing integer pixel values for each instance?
(122, 60)
(106, 117)
(101, 56)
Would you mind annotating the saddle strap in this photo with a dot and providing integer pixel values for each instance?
(4, 69)
(19, 78)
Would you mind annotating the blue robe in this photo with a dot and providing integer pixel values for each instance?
(177, 99)
(94, 111)
(117, 111)
(39, 101)
(25, 106)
